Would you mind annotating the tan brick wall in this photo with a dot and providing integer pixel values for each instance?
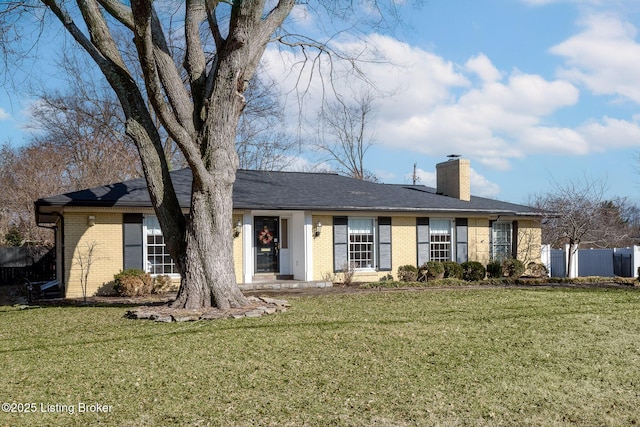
(404, 247)
(529, 241)
(322, 247)
(479, 240)
(106, 261)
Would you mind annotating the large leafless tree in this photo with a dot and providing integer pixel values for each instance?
(89, 134)
(26, 174)
(197, 91)
(75, 137)
(345, 134)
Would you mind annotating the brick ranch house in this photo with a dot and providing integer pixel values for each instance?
(297, 226)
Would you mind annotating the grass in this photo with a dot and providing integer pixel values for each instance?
(499, 356)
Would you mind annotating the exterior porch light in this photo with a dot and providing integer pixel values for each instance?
(237, 229)
(318, 229)
(91, 220)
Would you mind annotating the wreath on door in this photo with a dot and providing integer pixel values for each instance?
(265, 237)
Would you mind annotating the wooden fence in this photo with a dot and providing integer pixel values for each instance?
(35, 263)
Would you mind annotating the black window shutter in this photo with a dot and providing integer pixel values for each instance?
(340, 243)
(491, 251)
(422, 229)
(384, 244)
(132, 241)
(514, 239)
(462, 240)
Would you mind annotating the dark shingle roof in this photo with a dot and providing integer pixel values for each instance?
(294, 191)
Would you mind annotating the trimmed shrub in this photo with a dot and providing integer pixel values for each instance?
(163, 284)
(452, 270)
(494, 269)
(435, 270)
(472, 271)
(132, 282)
(537, 269)
(407, 273)
(513, 267)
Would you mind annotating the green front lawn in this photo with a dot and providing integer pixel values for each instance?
(441, 357)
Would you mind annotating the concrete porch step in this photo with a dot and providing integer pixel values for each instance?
(283, 284)
(271, 277)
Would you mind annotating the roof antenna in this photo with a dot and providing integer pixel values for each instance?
(453, 156)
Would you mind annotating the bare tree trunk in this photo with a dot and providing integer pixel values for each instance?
(209, 274)
(570, 258)
(209, 277)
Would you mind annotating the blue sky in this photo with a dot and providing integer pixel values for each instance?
(531, 91)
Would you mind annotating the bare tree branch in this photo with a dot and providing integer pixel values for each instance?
(344, 135)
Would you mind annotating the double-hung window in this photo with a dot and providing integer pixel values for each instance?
(440, 239)
(158, 259)
(361, 243)
(501, 240)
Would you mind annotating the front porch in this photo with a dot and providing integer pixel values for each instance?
(276, 250)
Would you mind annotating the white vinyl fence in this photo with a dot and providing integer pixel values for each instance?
(622, 262)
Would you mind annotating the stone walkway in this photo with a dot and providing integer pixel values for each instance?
(258, 307)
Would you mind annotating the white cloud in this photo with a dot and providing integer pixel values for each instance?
(438, 107)
(482, 66)
(442, 112)
(481, 186)
(486, 122)
(394, 67)
(611, 133)
(424, 178)
(4, 115)
(605, 57)
(525, 94)
(554, 140)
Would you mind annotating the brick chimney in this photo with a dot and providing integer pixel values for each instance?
(454, 178)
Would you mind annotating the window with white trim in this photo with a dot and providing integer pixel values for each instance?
(361, 243)
(158, 259)
(501, 240)
(440, 239)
